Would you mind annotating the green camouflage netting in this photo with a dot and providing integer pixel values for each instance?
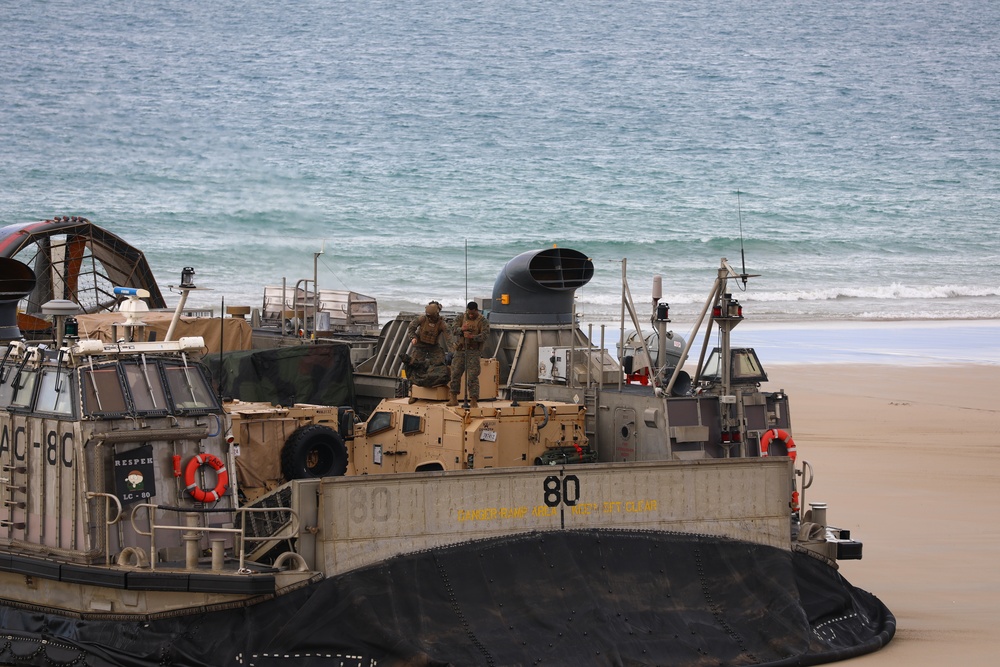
(317, 374)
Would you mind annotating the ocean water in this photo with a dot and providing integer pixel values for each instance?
(847, 152)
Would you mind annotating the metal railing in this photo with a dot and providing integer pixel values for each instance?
(108, 497)
(193, 533)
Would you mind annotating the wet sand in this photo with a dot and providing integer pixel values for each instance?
(909, 460)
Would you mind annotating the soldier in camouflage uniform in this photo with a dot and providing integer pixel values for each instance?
(469, 333)
(426, 366)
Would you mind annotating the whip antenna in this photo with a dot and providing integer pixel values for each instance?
(743, 258)
(222, 344)
(465, 343)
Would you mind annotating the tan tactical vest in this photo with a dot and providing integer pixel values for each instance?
(427, 332)
(463, 343)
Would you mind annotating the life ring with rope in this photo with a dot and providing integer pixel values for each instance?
(782, 436)
(199, 494)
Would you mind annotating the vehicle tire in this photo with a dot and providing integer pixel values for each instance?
(314, 451)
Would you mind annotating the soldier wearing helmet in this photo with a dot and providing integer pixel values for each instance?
(426, 366)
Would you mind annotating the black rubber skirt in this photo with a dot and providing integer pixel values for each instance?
(560, 598)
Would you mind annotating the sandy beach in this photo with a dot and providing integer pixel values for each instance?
(908, 459)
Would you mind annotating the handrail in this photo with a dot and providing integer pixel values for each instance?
(806, 473)
(195, 533)
(107, 533)
(293, 526)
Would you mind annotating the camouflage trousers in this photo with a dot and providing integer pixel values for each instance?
(426, 366)
(462, 361)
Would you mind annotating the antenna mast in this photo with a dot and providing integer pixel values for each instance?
(743, 258)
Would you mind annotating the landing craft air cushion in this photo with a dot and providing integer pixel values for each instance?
(133, 533)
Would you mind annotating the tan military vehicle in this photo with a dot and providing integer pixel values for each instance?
(273, 445)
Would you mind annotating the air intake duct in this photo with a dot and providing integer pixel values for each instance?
(537, 287)
(16, 282)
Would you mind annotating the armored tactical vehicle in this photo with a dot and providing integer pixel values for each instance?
(275, 444)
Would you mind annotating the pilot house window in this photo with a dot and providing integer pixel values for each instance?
(102, 391)
(188, 388)
(22, 386)
(55, 392)
(146, 387)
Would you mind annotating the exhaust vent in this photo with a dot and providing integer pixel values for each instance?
(537, 287)
(16, 282)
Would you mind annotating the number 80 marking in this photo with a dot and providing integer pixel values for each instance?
(565, 491)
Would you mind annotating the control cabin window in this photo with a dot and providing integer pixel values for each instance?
(55, 392)
(103, 393)
(146, 387)
(189, 389)
(744, 366)
(7, 374)
(22, 386)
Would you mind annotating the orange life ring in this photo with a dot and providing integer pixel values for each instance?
(780, 434)
(199, 494)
